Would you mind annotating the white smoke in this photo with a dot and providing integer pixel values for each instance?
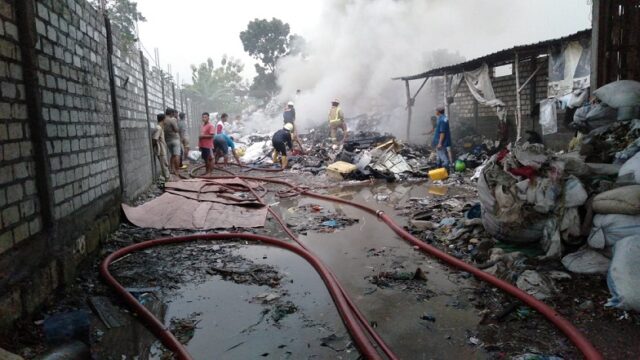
(359, 46)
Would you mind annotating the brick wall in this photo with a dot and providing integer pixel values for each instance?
(60, 184)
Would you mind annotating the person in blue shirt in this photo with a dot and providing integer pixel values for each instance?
(221, 145)
(442, 138)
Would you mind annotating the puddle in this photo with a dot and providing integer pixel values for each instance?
(432, 319)
(232, 323)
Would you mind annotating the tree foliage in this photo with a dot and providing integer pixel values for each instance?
(267, 41)
(124, 14)
(219, 88)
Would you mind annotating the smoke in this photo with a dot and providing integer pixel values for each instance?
(361, 44)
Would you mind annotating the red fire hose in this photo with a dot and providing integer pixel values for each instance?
(579, 340)
(353, 319)
(159, 329)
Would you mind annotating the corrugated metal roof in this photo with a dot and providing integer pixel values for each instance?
(499, 57)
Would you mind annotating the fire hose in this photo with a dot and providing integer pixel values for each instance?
(352, 318)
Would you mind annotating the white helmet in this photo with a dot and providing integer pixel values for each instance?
(288, 127)
(290, 103)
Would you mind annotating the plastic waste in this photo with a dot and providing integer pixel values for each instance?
(460, 166)
(63, 327)
(619, 93)
(194, 155)
(535, 284)
(630, 171)
(609, 229)
(438, 174)
(474, 212)
(532, 356)
(574, 192)
(330, 223)
(586, 261)
(548, 116)
(622, 156)
(623, 279)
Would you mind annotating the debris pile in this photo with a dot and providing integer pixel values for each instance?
(586, 200)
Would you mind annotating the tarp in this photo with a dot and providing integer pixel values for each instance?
(479, 83)
(200, 205)
(569, 68)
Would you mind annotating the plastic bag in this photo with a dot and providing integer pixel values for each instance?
(586, 261)
(622, 156)
(630, 171)
(548, 117)
(574, 192)
(609, 229)
(194, 155)
(623, 279)
(620, 93)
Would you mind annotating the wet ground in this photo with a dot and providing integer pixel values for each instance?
(235, 300)
(428, 317)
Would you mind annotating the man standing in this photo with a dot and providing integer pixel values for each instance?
(172, 137)
(221, 145)
(205, 142)
(184, 138)
(281, 140)
(289, 116)
(220, 126)
(442, 138)
(336, 121)
(160, 147)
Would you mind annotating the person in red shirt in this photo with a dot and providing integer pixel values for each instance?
(207, 131)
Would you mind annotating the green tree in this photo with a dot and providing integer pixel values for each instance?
(124, 14)
(267, 41)
(219, 88)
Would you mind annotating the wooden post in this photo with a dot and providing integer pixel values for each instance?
(409, 110)
(518, 105)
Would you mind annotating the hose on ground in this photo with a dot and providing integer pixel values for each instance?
(348, 312)
(572, 333)
(357, 333)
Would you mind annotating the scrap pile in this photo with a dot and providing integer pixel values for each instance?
(586, 200)
(364, 155)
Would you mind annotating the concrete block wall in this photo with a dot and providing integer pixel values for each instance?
(60, 188)
(74, 83)
(135, 131)
(19, 205)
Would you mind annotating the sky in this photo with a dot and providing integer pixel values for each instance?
(205, 28)
(189, 31)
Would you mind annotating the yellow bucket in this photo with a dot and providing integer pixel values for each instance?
(438, 174)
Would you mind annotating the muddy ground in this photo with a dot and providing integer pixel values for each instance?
(237, 300)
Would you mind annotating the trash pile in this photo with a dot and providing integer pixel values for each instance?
(586, 200)
(364, 155)
(475, 150)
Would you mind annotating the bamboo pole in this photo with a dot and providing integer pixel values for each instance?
(409, 106)
(518, 105)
